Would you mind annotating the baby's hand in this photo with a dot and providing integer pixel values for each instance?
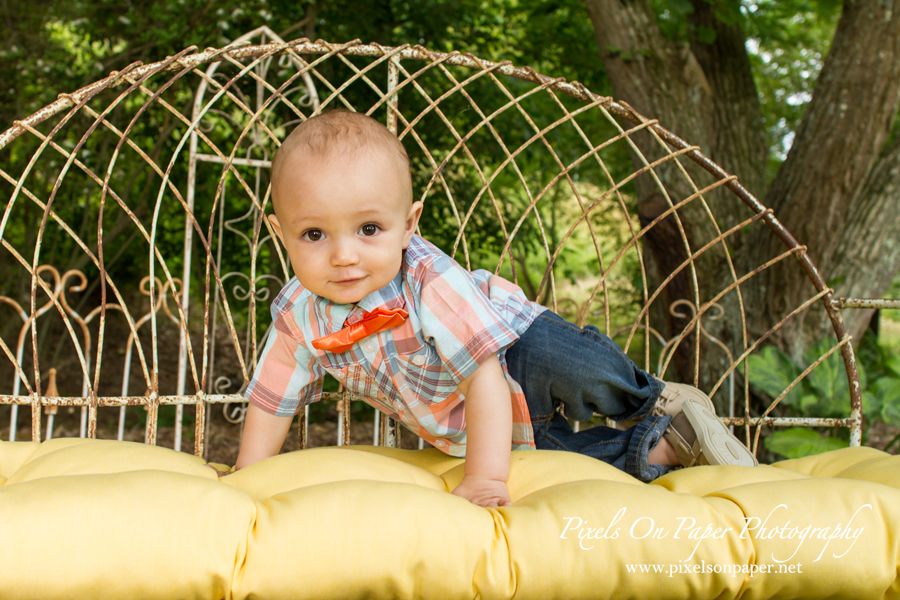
(482, 491)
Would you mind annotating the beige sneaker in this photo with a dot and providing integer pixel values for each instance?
(700, 438)
(670, 401)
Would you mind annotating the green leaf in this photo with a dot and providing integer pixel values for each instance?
(890, 414)
(798, 442)
(772, 371)
(893, 364)
(888, 391)
(681, 6)
(826, 9)
(828, 379)
(727, 12)
(707, 35)
(833, 406)
(546, 9)
(872, 405)
(808, 402)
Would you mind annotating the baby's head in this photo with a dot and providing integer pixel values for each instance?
(342, 195)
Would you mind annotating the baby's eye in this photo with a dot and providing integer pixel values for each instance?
(312, 235)
(369, 229)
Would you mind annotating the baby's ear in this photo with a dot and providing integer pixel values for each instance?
(412, 221)
(276, 227)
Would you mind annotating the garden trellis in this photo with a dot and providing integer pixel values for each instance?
(515, 169)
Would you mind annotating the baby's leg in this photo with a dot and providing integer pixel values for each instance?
(639, 451)
(557, 362)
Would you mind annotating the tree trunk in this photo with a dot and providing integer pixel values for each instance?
(867, 255)
(706, 95)
(825, 191)
(829, 192)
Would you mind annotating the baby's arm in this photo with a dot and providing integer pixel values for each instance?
(263, 436)
(488, 413)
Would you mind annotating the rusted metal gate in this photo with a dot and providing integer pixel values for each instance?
(223, 112)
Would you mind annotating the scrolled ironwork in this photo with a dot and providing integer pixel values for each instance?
(206, 245)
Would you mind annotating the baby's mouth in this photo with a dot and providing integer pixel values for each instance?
(347, 281)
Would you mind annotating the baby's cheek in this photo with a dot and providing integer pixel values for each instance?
(393, 258)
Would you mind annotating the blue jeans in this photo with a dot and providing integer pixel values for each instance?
(556, 363)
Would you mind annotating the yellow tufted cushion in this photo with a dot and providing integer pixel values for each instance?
(106, 519)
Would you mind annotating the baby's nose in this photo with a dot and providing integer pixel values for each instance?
(344, 254)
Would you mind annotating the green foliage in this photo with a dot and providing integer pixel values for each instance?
(797, 442)
(824, 392)
(882, 366)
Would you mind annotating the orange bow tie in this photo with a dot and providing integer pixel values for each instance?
(372, 321)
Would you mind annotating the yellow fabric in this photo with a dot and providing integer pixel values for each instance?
(106, 519)
(66, 456)
(316, 466)
(14, 455)
(831, 464)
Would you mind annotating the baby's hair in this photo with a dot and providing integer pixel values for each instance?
(339, 134)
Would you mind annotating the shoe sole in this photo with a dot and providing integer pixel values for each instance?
(718, 444)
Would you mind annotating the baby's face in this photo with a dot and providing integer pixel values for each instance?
(345, 224)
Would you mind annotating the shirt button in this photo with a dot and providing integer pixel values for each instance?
(369, 347)
(418, 359)
(439, 443)
(341, 375)
(398, 405)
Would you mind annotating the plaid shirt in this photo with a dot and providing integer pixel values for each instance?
(410, 372)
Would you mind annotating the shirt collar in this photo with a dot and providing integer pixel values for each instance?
(390, 296)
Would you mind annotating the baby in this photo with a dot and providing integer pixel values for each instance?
(463, 359)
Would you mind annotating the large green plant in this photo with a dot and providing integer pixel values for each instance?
(825, 393)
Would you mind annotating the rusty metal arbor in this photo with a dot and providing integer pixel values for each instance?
(197, 131)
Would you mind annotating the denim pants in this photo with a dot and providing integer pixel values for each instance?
(556, 362)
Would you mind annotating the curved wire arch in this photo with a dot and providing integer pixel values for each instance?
(312, 63)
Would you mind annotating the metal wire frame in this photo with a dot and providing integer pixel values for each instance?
(231, 122)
